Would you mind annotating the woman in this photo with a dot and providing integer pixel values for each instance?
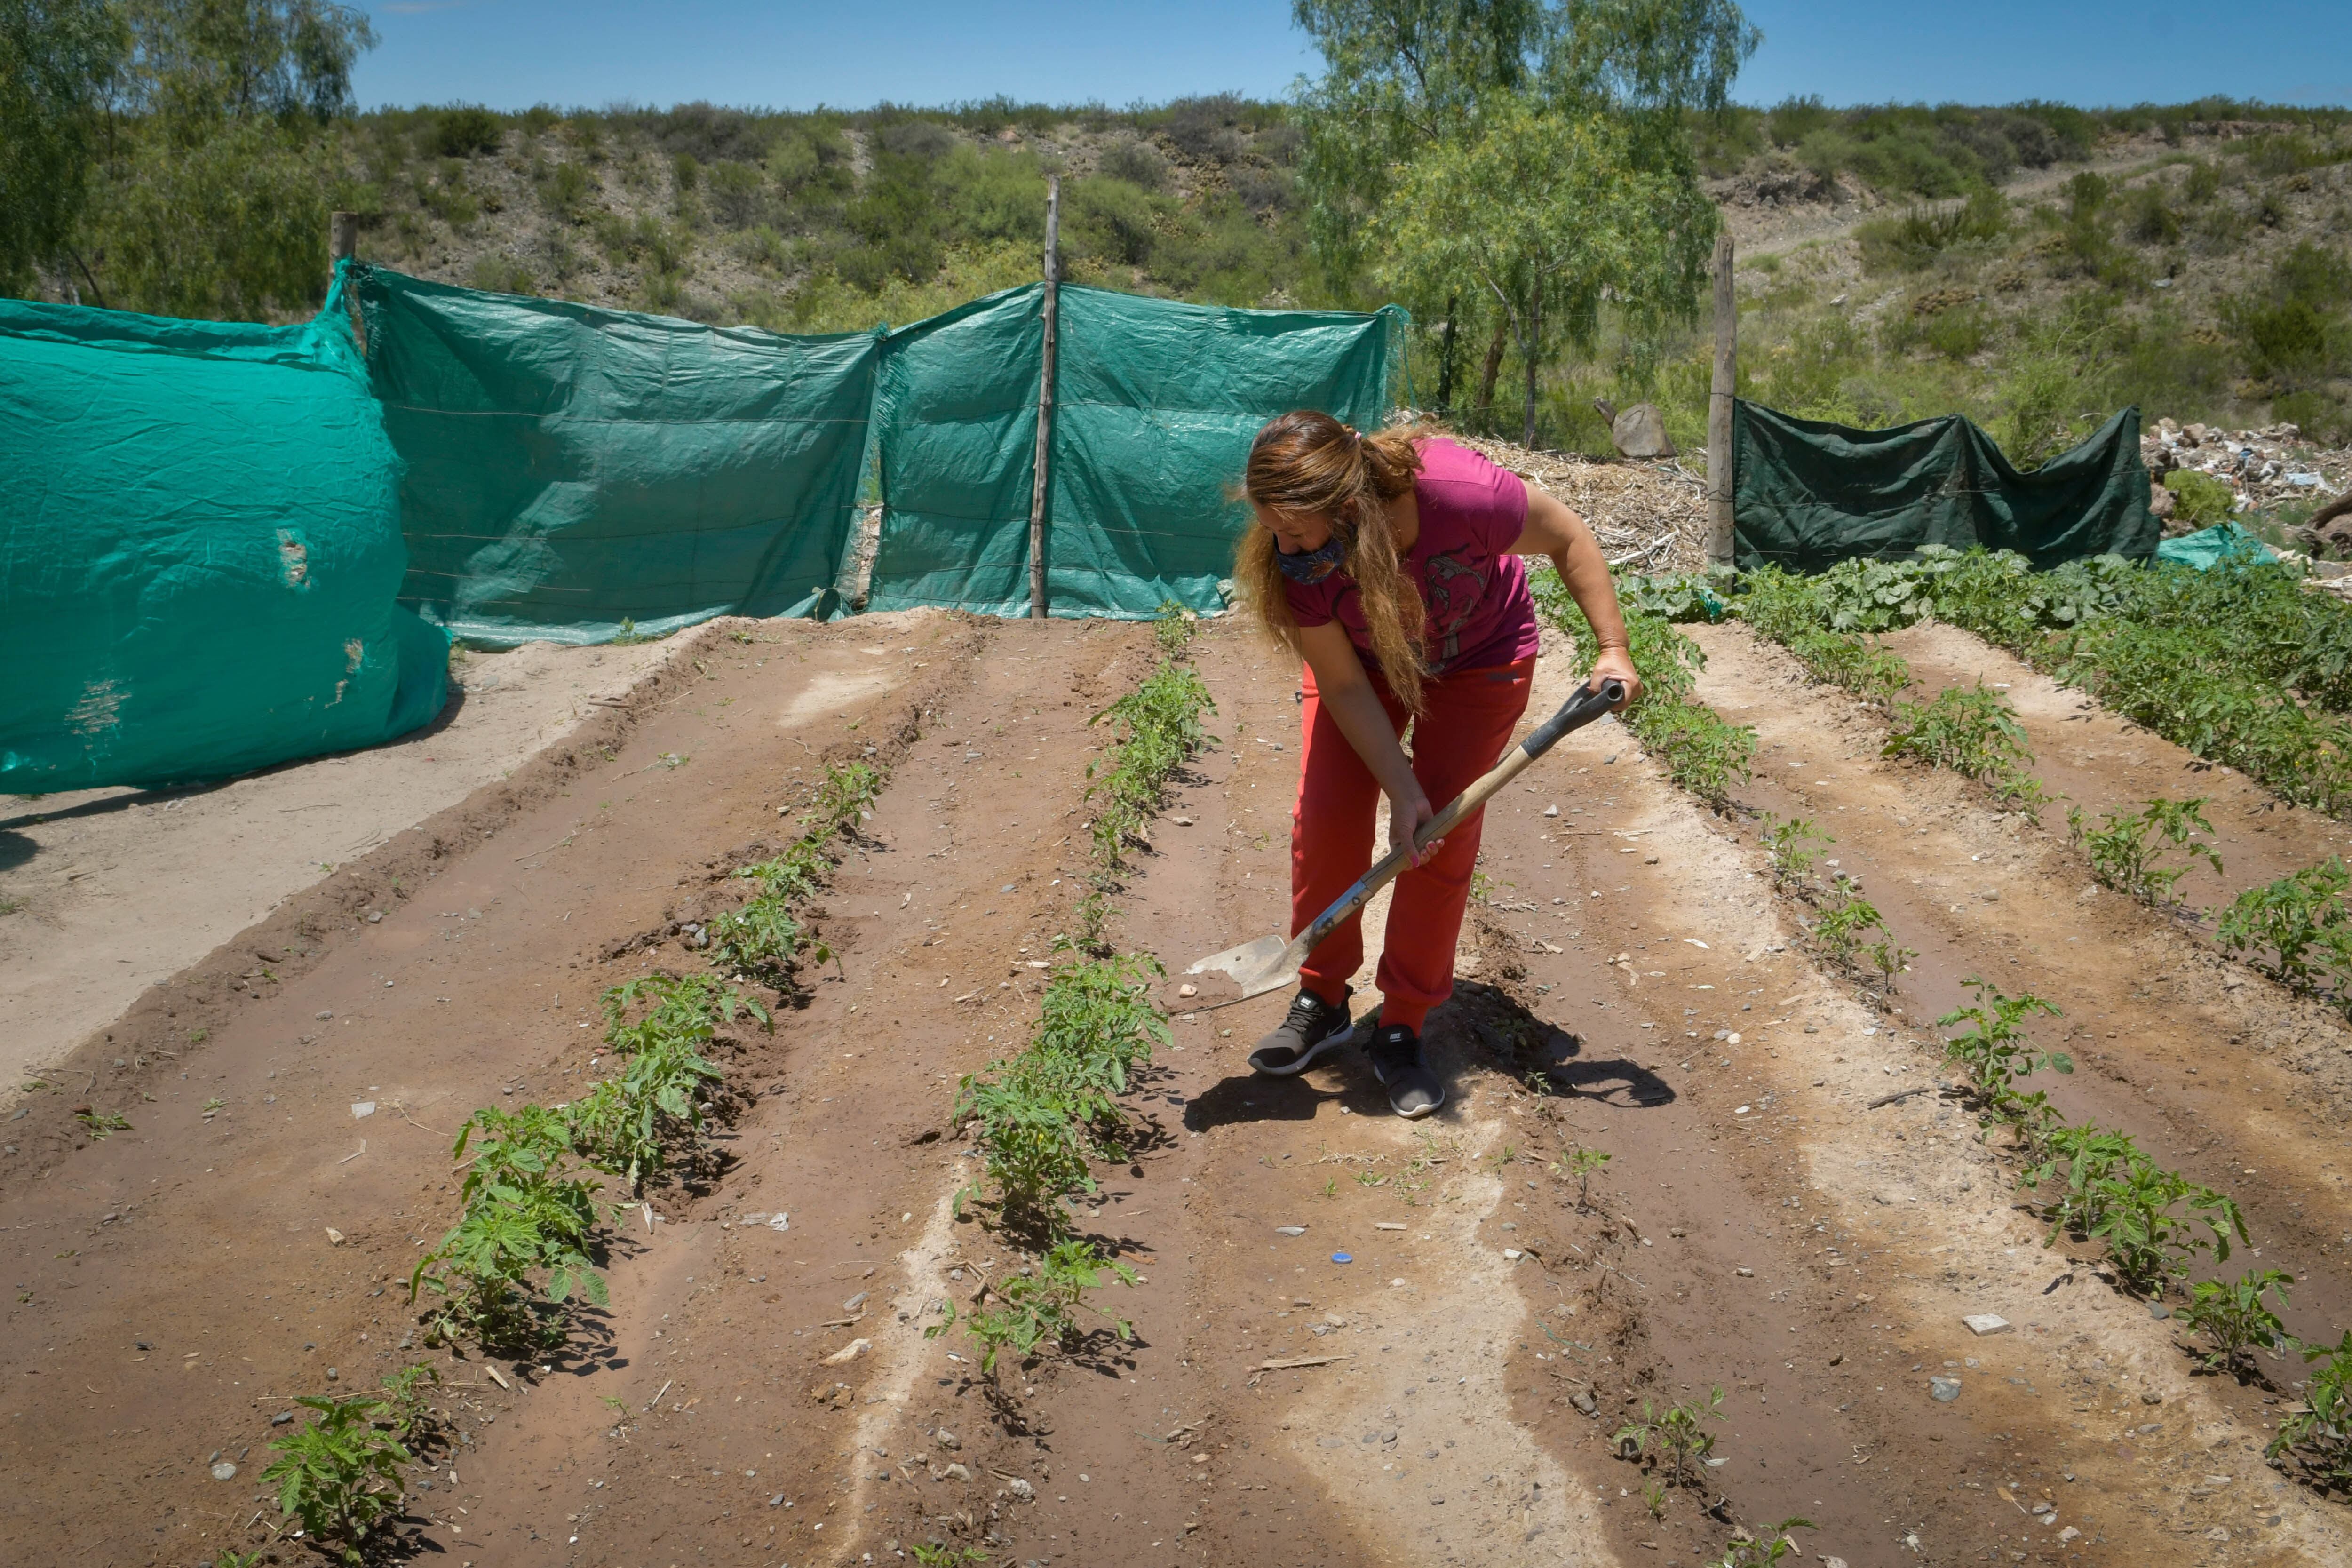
(1389, 564)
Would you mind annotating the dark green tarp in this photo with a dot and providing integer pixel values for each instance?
(1155, 406)
(571, 468)
(199, 550)
(955, 436)
(1806, 495)
(1157, 402)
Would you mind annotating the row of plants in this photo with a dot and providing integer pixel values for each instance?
(2237, 663)
(1043, 1117)
(2097, 1185)
(2091, 1185)
(1699, 748)
(531, 1240)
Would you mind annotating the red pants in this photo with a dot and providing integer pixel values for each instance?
(1468, 721)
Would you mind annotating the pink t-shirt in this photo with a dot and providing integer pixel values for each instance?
(1480, 612)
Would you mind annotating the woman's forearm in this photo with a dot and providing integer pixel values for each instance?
(1365, 722)
(1585, 571)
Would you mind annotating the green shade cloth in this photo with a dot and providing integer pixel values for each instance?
(955, 437)
(2210, 546)
(200, 547)
(1157, 402)
(571, 468)
(1806, 495)
(1155, 406)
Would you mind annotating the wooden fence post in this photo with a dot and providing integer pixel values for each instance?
(1043, 465)
(1718, 407)
(343, 236)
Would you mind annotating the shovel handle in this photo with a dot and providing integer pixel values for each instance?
(1587, 704)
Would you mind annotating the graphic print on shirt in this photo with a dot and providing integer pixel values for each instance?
(1454, 589)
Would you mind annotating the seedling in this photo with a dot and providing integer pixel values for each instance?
(2303, 918)
(1653, 1498)
(1750, 1551)
(1040, 1307)
(99, 1123)
(2234, 1319)
(1579, 1166)
(404, 1400)
(1890, 958)
(339, 1475)
(2126, 846)
(947, 1556)
(2108, 1190)
(1675, 1437)
(1174, 629)
(525, 1213)
(1993, 1051)
(1791, 845)
(1845, 919)
(2318, 1433)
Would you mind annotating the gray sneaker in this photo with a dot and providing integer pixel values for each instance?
(1413, 1091)
(1312, 1027)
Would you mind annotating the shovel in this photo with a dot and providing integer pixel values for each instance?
(1270, 961)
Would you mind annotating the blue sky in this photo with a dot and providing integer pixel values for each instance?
(510, 54)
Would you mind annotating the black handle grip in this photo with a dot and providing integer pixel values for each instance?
(1579, 710)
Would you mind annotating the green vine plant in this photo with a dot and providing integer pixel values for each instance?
(2302, 919)
(2234, 1319)
(1673, 1440)
(2316, 1436)
(1994, 1053)
(527, 1213)
(2154, 1222)
(339, 1473)
(1039, 1305)
(1794, 848)
(2127, 849)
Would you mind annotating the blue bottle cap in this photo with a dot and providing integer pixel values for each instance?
(1341, 1258)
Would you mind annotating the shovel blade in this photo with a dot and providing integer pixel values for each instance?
(1256, 966)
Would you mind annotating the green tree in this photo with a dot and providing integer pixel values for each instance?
(215, 194)
(1405, 81)
(56, 58)
(1579, 218)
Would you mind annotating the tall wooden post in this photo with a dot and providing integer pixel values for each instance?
(343, 236)
(1037, 606)
(1719, 407)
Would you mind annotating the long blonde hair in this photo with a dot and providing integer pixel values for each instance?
(1309, 462)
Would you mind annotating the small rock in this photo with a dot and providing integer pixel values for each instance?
(323, 1013)
(1832, 1563)
(334, 1236)
(1641, 432)
(1513, 1253)
(1022, 1491)
(1944, 1390)
(1188, 990)
(282, 1417)
(2151, 1398)
(224, 1472)
(1583, 1399)
(1181, 821)
(946, 1440)
(855, 1302)
(778, 1222)
(1551, 811)
(2158, 1310)
(2070, 1534)
(1290, 1230)
(955, 1472)
(1745, 1273)
(333, 1376)
(1983, 1323)
(361, 1108)
(849, 1353)
(375, 917)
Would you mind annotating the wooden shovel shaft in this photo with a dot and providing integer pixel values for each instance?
(1579, 710)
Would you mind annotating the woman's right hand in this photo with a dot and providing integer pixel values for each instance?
(1407, 812)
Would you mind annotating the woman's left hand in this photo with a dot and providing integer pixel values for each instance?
(1616, 664)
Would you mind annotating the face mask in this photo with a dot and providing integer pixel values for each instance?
(1311, 566)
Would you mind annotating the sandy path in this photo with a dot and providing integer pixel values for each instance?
(117, 889)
